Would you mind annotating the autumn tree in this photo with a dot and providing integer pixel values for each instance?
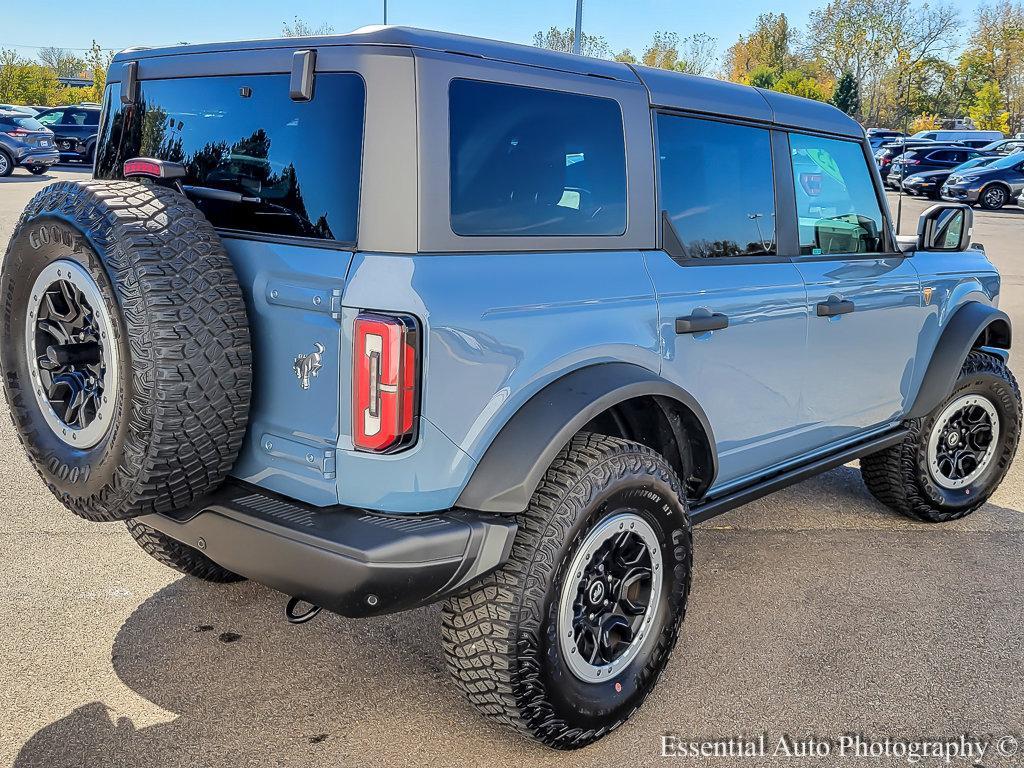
(770, 44)
(995, 53)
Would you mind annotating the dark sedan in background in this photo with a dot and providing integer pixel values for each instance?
(25, 142)
(75, 128)
(937, 157)
(929, 183)
(885, 154)
(991, 187)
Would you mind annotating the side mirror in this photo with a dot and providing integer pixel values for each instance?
(945, 228)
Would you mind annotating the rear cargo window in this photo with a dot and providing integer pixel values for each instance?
(288, 168)
(526, 161)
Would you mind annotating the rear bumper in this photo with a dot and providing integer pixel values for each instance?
(347, 560)
(35, 156)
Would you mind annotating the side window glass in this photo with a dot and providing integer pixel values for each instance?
(74, 117)
(51, 118)
(717, 186)
(92, 117)
(836, 202)
(527, 161)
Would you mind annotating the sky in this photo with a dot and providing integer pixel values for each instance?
(117, 24)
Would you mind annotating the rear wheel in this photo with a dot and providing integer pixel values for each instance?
(6, 164)
(178, 556)
(954, 458)
(567, 639)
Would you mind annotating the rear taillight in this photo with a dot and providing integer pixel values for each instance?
(385, 382)
(18, 132)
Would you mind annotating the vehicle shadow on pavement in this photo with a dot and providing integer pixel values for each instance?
(789, 592)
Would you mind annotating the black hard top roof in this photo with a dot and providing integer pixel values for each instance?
(670, 90)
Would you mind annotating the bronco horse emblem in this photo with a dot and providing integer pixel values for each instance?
(306, 367)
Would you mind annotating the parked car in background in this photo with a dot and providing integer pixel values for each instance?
(75, 128)
(31, 111)
(885, 154)
(25, 142)
(929, 183)
(1004, 146)
(960, 136)
(929, 158)
(991, 187)
(879, 136)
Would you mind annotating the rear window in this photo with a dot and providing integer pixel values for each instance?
(290, 168)
(527, 161)
(17, 121)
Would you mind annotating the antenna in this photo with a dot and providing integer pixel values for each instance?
(903, 164)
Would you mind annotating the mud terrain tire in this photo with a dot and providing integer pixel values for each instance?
(154, 381)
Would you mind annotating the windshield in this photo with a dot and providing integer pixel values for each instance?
(978, 162)
(1007, 161)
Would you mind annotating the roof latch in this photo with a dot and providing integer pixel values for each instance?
(303, 70)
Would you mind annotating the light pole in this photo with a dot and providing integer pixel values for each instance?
(385, 12)
(578, 39)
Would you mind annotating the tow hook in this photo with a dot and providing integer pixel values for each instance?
(300, 618)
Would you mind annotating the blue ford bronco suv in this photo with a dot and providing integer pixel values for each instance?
(397, 317)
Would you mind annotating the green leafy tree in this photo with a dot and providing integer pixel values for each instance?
(988, 112)
(763, 77)
(847, 94)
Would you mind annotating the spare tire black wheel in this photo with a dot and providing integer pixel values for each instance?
(124, 348)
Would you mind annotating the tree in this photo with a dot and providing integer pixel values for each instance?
(697, 54)
(847, 94)
(988, 113)
(63, 62)
(798, 83)
(995, 52)
(557, 39)
(299, 28)
(97, 62)
(925, 122)
(771, 43)
(763, 77)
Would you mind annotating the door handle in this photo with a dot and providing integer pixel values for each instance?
(835, 306)
(702, 323)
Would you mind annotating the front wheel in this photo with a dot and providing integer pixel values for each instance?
(993, 198)
(953, 459)
(567, 639)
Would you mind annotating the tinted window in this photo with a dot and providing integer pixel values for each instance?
(526, 161)
(293, 166)
(835, 197)
(80, 117)
(21, 121)
(716, 185)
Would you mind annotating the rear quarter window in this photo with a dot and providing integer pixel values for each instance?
(528, 161)
(292, 167)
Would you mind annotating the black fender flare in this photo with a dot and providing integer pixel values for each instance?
(516, 460)
(971, 322)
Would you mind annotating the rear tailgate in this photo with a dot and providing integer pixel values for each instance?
(279, 179)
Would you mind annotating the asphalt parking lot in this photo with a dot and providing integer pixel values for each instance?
(815, 611)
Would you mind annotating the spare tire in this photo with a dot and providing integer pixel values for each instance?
(124, 348)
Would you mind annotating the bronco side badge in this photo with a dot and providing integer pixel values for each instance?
(306, 367)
